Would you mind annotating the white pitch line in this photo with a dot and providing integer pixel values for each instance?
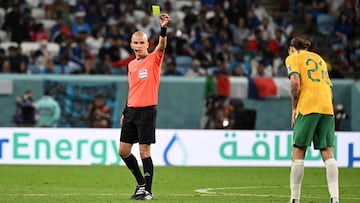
(81, 194)
(65, 194)
(215, 191)
(201, 192)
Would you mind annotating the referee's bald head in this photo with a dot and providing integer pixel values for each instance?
(139, 34)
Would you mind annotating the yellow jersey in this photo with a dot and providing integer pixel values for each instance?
(315, 84)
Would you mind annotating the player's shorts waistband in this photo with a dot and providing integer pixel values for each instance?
(141, 108)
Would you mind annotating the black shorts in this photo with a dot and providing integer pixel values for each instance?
(139, 125)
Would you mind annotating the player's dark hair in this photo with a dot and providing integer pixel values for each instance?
(300, 43)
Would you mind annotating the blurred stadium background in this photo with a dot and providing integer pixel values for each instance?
(44, 46)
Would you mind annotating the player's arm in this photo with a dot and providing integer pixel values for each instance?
(164, 21)
(295, 94)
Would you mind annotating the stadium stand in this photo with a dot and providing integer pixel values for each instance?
(196, 23)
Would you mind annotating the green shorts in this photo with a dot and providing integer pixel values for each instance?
(318, 128)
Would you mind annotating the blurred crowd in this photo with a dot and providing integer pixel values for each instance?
(333, 27)
(227, 37)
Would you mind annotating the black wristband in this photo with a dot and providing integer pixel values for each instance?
(163, 32)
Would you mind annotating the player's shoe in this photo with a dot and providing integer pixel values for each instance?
(332, 200)
(139, 191)
(146, 196)
(294, 201)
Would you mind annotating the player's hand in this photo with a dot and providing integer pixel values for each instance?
(293, 118)
(164, 19)
(122, 119)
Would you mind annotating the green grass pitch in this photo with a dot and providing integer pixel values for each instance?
(30, 183)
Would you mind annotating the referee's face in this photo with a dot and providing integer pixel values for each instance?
(139, 44)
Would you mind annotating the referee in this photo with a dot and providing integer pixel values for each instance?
(139, 116)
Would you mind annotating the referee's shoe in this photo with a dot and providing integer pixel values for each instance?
(145, 196)
(139, 191)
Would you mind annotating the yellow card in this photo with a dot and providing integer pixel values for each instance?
(156, 10)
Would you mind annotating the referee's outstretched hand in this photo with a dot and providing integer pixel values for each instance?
(164, 19)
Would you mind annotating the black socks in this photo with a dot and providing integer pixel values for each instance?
(148, 172)
(132, 164)
(148, 166)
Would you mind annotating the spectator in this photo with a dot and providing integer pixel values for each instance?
(59, 31)
(80, 27)
(238, 70)
(124, 29)
(312, 10)
(239, 67)
(226, 51)
(169, 68)
(42, 58)
(17, 62)
(110, 14)
(92, 16)
(147, 26)
(189, 19)
(217, 20)
(39, 33)
(205, 53)
(334, 7)
(95, 41)
(252, 21)
(280, 22)
(60, 9)
(281, 38)
(99, 114)
(28, 22)
(177, 17)
(196, 70)
(210, 4)
(261, 66)
(335, 70)
(25, 114)
(48, 111)
(102, 66)
(235, 10)
(133, 17)
(343, 30)
(2, 61)
(75, 57)
(259, 10)
(267, 30)
(201, 27)
(14, 25)
(240, 32)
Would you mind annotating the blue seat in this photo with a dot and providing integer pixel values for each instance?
(183, 63)
(325, 24)
(34, 69)
(182, 69)
(183, 60)
(118, 71)
(357, 55)
(71, 69)
(210, 70)
(57, 69)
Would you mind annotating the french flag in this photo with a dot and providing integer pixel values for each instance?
(259, 87)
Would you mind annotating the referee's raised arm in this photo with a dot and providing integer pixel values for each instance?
(164, 21)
